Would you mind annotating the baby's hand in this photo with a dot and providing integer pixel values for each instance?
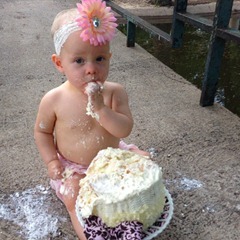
(55, 169)
(95, 98)
(93, 88)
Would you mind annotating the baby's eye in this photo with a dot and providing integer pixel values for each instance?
(100, 59)
(80, 61)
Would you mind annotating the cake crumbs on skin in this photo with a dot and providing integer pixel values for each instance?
(42, 125)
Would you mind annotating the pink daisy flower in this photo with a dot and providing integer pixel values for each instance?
(96, 21)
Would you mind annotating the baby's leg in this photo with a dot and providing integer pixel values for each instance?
(71, 189)
(133, 148)
(140, 152)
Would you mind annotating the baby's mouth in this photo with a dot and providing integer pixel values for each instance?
(90, 78)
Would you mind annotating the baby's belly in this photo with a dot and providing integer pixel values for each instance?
(82, 150)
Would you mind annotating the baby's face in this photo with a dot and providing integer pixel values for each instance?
(83, 62)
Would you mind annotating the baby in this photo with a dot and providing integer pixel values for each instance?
(86, 113)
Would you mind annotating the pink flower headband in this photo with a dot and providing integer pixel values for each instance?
(96, 22)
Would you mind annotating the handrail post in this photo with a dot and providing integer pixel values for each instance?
(215, 53)
(178, 25)
(131, 30)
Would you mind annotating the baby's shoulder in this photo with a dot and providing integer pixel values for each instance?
(113, 86)
(53, 95)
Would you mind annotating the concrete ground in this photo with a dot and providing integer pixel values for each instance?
(198, 148)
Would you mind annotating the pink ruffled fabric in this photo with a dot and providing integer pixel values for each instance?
(73, 167)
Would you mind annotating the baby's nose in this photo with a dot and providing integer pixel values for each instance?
(90, 69)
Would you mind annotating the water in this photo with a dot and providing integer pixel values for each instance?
(189, 61)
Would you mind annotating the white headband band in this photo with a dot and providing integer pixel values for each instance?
(61, 35)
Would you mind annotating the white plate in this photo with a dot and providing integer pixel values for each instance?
(164, 219)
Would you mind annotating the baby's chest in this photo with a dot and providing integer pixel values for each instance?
(75, 118)
(82, 124)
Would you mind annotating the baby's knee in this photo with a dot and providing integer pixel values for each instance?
(69, 202)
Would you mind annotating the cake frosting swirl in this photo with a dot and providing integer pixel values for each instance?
(121, 185)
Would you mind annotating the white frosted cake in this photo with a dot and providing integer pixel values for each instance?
(121, 186)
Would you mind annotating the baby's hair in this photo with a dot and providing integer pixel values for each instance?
(64, 17)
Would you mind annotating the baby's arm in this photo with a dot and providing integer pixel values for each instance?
(116, 119)
(43, 133)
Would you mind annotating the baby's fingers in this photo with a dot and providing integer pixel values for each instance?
(55, 170)
(93, 88)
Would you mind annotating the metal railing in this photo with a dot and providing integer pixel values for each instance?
(218, 27)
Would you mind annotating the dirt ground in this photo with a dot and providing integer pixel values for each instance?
(197, 147)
